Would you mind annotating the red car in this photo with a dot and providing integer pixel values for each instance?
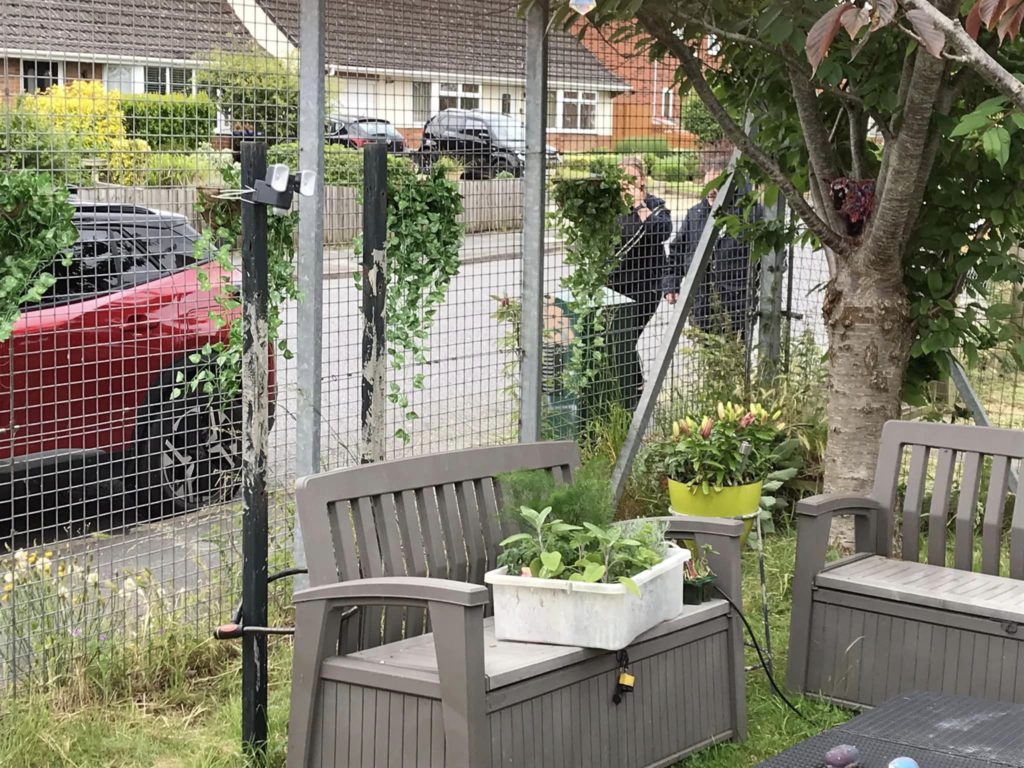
(91, 374)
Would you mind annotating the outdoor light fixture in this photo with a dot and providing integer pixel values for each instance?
(280, 186)
(582, 7)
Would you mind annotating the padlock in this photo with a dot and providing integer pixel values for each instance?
(626, 682)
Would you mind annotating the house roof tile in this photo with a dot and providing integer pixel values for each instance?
(469, 37)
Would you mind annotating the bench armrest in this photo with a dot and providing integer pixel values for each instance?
(838, 504)
(397, 590)
(722, 535)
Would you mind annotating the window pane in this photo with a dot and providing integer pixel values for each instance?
(552, 110)
(588, 121)
(420, 101)
(181, 81)
(449, 87)
(567, 95)
(448, 102)
(570, 115)
(471, 88)
(589, 96)
(39, 75)
(155, 80)
(470, 103)
(506, 104)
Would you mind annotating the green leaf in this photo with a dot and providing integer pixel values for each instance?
(515, 538)
(970, 123)
(593, 573)
(551, 560)
(630, 585)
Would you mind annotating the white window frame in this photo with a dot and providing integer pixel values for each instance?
(580, 100)
(460, 93)
(60, 72)
(166, 80)
(668, 98)
(431, 101)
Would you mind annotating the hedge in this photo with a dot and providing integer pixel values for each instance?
(343, 167)
(634, 145)
(171, 122)
(675, 166)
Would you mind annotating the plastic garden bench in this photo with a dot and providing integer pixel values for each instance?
(949, 619)
(395, 658)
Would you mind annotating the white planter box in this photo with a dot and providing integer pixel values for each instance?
(607, 616)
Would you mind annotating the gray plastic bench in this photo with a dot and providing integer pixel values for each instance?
(948, 619)
(413, 677)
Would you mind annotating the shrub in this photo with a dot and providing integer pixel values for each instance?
(179, 169)
(641, 144)
(71, 123)
(343, 167)
(677, 166)
(698, 121)
(171, 122)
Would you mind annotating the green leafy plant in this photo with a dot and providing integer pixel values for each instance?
(587, 499)
(424, 238)
(216, 369)
(35, 228)
(450, 167)
(675, 166)
(641, 144)
(587, 216)
(555, 549)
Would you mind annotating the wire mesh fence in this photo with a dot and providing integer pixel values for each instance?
(119, 411)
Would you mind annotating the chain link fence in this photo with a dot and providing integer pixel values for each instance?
(119, 413)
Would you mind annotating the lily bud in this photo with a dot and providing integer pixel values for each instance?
(675, 429)
(747, 420)
(721, 411)
(705, 427)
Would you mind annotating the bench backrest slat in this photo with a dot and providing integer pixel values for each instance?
(972, 463)
(433, 516)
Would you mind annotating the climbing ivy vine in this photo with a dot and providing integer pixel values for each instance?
(587, 216)
(423, 242)
(35, 227)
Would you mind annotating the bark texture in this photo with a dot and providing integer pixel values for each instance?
(867, 315)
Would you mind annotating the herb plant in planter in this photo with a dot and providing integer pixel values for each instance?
(585, 585)
(698, 579)
(717, 465)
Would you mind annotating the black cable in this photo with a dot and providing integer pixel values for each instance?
(760, 655)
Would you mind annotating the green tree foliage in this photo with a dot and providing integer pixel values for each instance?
(255, 91)
(170, 122)
(897, 144)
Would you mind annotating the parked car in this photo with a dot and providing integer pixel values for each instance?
(94, 369)
(359, 131)
(487, 143)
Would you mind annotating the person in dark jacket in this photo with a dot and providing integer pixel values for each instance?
(638, 276)
(724, 296)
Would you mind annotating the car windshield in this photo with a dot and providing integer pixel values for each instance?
(374, 128)
(508, 129)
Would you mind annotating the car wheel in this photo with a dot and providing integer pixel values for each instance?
(191, 446)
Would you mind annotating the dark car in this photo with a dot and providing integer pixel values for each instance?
(487, 143)
(360, 131)
(92, 373)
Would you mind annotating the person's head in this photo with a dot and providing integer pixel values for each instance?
(634, 182)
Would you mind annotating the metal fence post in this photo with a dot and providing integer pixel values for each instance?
(373, 410)
(687, 295)
(533, 222)
(769, 330)
(310, 267)
(255, 412)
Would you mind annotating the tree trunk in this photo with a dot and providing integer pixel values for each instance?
(867, 314)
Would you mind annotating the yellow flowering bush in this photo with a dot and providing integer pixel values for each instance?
(84, 120)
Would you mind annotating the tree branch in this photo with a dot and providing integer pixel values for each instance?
(858, 138)
(973, 54)
(663, 32)
(902, 162)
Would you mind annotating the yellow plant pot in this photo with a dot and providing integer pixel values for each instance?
(737, 501)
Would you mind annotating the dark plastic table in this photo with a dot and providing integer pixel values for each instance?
(937, 731)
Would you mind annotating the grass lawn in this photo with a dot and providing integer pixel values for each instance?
(178, 705)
